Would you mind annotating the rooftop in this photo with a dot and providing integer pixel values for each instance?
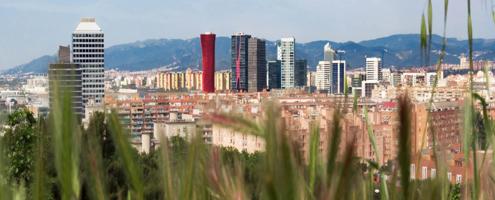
(88, 25)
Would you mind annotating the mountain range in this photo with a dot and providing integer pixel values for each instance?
(178, 54)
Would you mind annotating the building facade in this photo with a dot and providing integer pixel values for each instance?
(274, 73)
(373, 69)
(323, 72)
(239, 62)
(66, 79)
(287, 57)
(88, 54)
(256, 65)
(208, 53)
(338, 77)
(300, 72)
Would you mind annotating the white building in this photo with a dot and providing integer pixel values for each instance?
(287, 57)
(387, 75)
(323, 72)
(88, 52)
(373, 69)
(328, 53)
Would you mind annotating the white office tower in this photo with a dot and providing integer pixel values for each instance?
(373, 69)
(323, 73)
(286, 54)
(88, 52)
(328, 53)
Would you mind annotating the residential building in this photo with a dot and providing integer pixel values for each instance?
(323, 73)
(287, 57)
(373, 69)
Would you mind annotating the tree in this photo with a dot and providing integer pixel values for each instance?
(19, 144)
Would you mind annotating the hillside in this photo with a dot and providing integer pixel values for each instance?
(397, 50)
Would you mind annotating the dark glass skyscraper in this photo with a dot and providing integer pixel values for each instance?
(256, 65)
(208, 50)
(274, 73)
(300, 72)
(239, 62)
(337, 84)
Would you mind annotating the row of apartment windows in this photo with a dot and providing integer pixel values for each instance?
(92, 86)
(93, 76)
(94, 91)
(94, 70)
(91, 66)
(88, 45)
(88, 35)
(88, 50)
(433, 173)
(87, 40)
(94, 81)
(88, 55)
(88, 60)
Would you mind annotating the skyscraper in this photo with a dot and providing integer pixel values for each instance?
(208, 50)
(256, 65)
(287, 57)
(239, 62)
(373, 69)
(66, 79)
(328, 53)
(274, 74)
(338, 77)
(88, 53)
(300, 73)
(323, 73)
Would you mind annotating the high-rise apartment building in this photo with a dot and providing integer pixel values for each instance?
(239, 62)
(208, 50)
(256, 65)
(373, 69)
(323, 73)
(287, 57)
(222, 80)
(274, 74)
(338, 77)
(88, 53)
(300, 72)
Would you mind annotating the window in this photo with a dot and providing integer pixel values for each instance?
(424, 172)
(458, 179)
(433, 173)
(413, 171)
(449, 176)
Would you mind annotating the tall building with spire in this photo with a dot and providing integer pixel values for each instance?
(208, 50)
(88, 54)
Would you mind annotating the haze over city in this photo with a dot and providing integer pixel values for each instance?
(35, 28)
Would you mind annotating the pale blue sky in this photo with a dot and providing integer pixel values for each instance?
(31, 28)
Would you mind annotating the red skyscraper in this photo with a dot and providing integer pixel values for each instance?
(208, 49)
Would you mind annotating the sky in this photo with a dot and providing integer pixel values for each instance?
(32, 28)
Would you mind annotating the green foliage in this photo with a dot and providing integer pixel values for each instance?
(19, 141)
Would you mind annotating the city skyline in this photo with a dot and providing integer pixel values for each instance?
(122, 26)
